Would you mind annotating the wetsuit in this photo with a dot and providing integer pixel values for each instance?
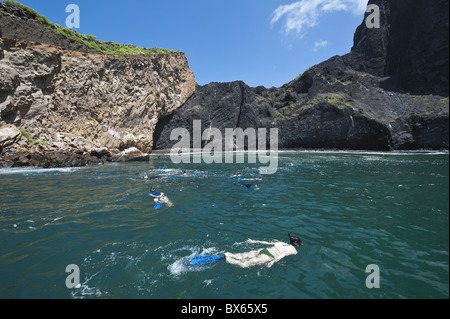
(155, 194)
(276, 250)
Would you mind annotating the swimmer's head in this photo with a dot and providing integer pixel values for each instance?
(295, 241)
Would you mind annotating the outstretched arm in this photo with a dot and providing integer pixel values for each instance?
(251, 241)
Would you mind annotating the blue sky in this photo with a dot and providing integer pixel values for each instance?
(261, 42)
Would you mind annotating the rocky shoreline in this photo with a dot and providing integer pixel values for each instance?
(23, 149)
(58, 159)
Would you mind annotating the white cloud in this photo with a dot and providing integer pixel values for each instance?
(305, 14)
(320, 44)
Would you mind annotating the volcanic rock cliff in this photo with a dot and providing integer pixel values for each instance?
(389, 93)
(64, 102)
(63, 105)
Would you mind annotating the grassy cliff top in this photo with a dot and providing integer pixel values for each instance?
(90, 41)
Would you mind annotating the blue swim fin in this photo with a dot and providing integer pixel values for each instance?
(204, 260)
(158, 206)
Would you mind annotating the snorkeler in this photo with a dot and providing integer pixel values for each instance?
(236, 174)
(268, 256)
(248, 186)
(159, 198)
(156, 195)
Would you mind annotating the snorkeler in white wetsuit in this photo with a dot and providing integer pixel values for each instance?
(268, 256)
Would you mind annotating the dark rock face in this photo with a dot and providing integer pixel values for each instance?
(218, 105)
(316, 124)
(389, 93)
(326, 126)
(411, 45)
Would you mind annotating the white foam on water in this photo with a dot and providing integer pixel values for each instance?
(178, 267)
(208, 282)
(54, 220)
(183, 265)
(394, 153)
(33, 170)
(83, 290)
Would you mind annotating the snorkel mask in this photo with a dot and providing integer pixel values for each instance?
(295, 241)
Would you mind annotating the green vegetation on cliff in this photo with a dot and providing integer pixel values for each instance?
(91, 42)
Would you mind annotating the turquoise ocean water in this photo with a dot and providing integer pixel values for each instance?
(350, 209)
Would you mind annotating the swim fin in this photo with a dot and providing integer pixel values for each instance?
(204, 260)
